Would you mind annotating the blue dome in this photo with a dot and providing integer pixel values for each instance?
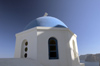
(46, 21)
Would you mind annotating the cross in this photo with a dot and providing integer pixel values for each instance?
(46, 14)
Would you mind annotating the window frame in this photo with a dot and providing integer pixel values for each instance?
(56, 45)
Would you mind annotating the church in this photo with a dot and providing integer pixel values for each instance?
(45, 41)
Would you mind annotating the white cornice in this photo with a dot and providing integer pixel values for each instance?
(45, 29)
(25, 31)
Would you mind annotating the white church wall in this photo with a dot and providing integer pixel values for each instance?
(19, 62)
(37, 39)
(31, 37)
(75, 57)
(61, 34)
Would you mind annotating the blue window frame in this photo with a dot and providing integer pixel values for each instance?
(53, 48)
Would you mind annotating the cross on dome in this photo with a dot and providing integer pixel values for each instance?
(46, 14)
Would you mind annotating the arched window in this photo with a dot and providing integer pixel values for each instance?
(53, 48)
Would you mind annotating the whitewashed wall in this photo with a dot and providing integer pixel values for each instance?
(38, 46)
(31, 37)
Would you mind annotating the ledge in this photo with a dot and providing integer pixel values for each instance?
(45, 29)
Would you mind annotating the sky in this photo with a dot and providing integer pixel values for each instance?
(81, 16)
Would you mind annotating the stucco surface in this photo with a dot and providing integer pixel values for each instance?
(18, 62)
(38, 46)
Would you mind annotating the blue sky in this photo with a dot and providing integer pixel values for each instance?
(81, 16)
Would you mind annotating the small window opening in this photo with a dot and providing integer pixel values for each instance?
(26, 43)
(52, 41)
(26, 49)
(52, 48)
(25, 55)
(52, 54)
